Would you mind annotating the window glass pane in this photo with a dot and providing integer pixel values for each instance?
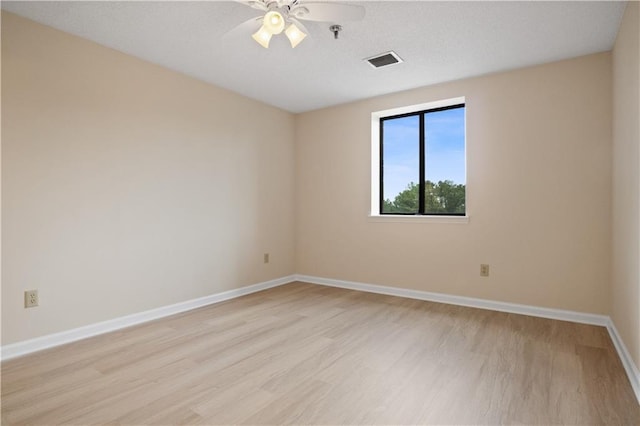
(445, 176)
(401, 163)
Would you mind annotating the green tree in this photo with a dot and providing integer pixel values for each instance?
(388, 206)
(451, 196)
(407, 200)
(432, 202)
(440, 198)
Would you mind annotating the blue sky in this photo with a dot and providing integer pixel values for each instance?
(444, 134)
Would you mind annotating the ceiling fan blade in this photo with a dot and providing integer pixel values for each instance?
(255, 4)
(328, 12)
(247, 27)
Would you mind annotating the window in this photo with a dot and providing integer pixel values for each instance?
(421, 161)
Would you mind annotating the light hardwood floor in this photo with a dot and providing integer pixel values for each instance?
(308, 354)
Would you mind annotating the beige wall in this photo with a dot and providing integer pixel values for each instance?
(126, 186)
(539, 167)
(625, 310)
(137, 187)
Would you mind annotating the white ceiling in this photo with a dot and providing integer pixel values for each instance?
(439, 41)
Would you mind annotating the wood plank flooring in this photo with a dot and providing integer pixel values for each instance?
(308, 354)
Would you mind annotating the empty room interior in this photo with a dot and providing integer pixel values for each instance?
(320, 212)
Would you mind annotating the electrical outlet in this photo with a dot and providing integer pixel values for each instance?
(484, 270)
(266, 258)
(31, 298)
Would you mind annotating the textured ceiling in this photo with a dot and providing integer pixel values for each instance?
(439, 41)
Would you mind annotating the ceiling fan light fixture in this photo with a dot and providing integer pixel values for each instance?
(273, 22)
(295, 35)
(282, 16)
(263, 37)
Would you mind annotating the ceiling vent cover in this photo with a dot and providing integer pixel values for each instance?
(384, 59)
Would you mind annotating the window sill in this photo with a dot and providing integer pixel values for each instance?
(417, 219)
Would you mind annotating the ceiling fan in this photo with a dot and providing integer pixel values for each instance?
(279, 14)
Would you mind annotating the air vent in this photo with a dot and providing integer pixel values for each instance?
(384, 59)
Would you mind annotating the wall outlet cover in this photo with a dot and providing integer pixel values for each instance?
(484, 270)
(31, 298)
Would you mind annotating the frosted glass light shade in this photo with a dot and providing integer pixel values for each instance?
(263, 37)
(295, 35)
(273, 22)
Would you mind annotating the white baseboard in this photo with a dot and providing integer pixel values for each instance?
(558, 314)
(627, 362)
(514, 308)
(39, 343)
